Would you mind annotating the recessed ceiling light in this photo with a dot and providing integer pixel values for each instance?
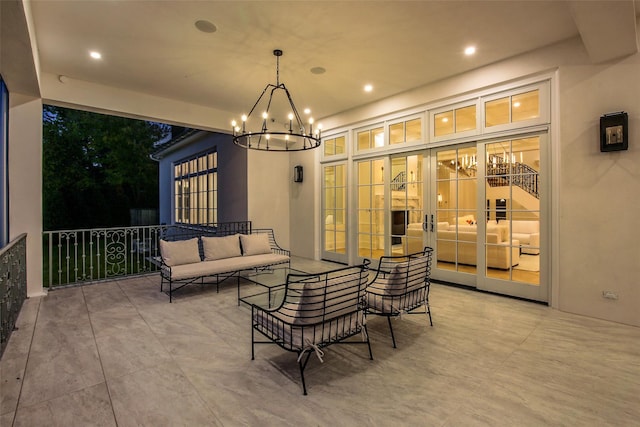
(307, 111)
(318, 70)
(95, 54)
(368, 88)
(445, 120)
(469, 50)
(206, 26)
(516, 104)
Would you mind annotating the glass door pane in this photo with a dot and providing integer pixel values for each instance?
(335, 211)
(512, 189)
(406, 214)
(370, 176)
(456, 219)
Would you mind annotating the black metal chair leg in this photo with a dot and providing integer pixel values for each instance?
(368, 342)
(238, 289)
(393, 338)
(428, 311)
(302, 366)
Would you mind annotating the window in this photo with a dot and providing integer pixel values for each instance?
(333, 146)
(370, 138)
(196, 189)
(335, 207)
(513, 108)
(455, 121)
(405, 131)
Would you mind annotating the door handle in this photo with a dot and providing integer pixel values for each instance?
(432, 223)
(425, 223)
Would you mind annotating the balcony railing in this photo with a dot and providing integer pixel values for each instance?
(74, 257)
(13, 286)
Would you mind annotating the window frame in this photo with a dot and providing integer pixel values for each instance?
(340, 156)
(207, 175)
(404, 120)
(369, 128)
(453, 107)
(544, 102)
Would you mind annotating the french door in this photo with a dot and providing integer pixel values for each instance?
(515, 191)
(481, 207)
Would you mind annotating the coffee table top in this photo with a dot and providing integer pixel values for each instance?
(270, 289)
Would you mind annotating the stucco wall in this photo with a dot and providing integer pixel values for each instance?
(599, 228)
(232, 176)
(268, 189)
(25, 182)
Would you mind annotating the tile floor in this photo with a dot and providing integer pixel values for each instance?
(118, 353)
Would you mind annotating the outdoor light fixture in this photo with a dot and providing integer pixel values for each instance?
(274, 124)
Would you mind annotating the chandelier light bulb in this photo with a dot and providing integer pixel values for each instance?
(271, 104)
(233, 123)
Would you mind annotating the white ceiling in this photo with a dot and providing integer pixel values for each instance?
(154, 47)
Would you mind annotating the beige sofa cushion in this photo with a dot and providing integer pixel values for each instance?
(180, 252)
(255, 244)
(221, 247)
(226, 265)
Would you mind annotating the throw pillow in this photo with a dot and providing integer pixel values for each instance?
(180, 252)
(221, 247)
(255, 244)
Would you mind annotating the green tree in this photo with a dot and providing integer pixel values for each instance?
(96, 167)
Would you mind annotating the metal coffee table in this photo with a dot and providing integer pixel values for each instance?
(269, 287)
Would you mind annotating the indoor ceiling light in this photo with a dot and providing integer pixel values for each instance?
(368, 88)
(95, 54)
(470, 50)
(279, 126)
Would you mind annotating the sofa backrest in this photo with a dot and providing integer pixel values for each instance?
(525, 226)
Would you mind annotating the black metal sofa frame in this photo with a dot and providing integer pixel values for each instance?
(317, 310)
(218, 271)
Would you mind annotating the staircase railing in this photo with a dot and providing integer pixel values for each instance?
(501, 173)
(399, 182)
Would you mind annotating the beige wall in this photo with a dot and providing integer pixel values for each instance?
(25, 182)
(268, 193)
(594, 241)
(302, 204)
(599, 204)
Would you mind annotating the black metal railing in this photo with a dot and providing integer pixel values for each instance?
(72, 257)
(13, 286)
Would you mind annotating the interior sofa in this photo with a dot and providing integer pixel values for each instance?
(500, 254)
(528, 233)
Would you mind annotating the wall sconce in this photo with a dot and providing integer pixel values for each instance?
(614, 132)
(439, 199)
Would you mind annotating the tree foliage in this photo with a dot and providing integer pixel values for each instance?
(96, 167)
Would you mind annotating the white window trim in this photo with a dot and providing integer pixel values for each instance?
(336, 157)
(453, 107)
(544, 101)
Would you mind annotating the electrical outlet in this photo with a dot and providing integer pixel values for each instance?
(609, 295)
